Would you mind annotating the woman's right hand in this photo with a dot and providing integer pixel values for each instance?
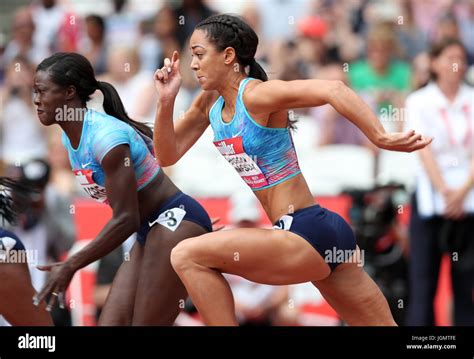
(168, 78)
(454, 202)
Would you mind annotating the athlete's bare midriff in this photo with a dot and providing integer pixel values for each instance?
(155, 194)
(286, 197)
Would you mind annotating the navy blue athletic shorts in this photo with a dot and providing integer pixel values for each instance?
(10, 241)
(170, 214)
(326, 231)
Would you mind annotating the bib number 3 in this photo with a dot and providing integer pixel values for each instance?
(171, 218)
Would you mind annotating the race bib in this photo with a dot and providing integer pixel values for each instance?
(95, 191)
(171, 218)
(6, 244)
(284, 223)
(233, 151)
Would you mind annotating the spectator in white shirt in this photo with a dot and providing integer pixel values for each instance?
(21, 136)
(443, 208)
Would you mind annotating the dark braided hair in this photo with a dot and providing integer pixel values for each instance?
(8, 208)
(72, 69)
(231, 31)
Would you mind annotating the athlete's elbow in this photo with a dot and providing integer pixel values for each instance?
(167, 157)
(128, 223)
(166, 162)
(335, 89)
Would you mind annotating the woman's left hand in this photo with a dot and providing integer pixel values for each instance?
(58, 281)
(403, 141)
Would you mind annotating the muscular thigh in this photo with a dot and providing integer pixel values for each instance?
(118, 308)
(160, 292)
(261, 255)
(355, 296)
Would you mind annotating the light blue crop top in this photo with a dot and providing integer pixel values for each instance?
(100, 134)
(263, 156)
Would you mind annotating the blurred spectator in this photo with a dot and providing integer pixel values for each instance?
(48, 17)
(442, 219)
(279, 17)
(69, 34)
(284, 61)
(22, 137)
(135, 87)
(343, 44)
(189, 14)
(253, 18)
(447, 28)
(427, 13)
(94, 46)
(311, 47)
(411, 38)
(22, 43)
(465, 16)
(122, 25)
(420, 71)
(162, 41)
(45, 225)
(335, 128)
(3, 45)
(380, 76)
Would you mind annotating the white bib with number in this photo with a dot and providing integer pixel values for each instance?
(233, 151)
(284, 223)
(6, 244)
(171, 218)
(94, 190)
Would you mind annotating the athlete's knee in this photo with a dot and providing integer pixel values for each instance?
(182, 255)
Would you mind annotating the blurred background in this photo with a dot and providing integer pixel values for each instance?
(379, 48)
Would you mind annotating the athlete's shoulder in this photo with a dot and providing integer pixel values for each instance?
(103, 122)
(99, 118)
(257, 91)
(106, 131)
(253, 83)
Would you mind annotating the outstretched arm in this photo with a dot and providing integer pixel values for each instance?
(119, 182)
(276, 95)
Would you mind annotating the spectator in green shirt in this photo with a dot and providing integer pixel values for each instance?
(381, 77)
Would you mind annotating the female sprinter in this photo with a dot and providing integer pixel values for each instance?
(113, 163)
(16, 289)
(250, 123)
